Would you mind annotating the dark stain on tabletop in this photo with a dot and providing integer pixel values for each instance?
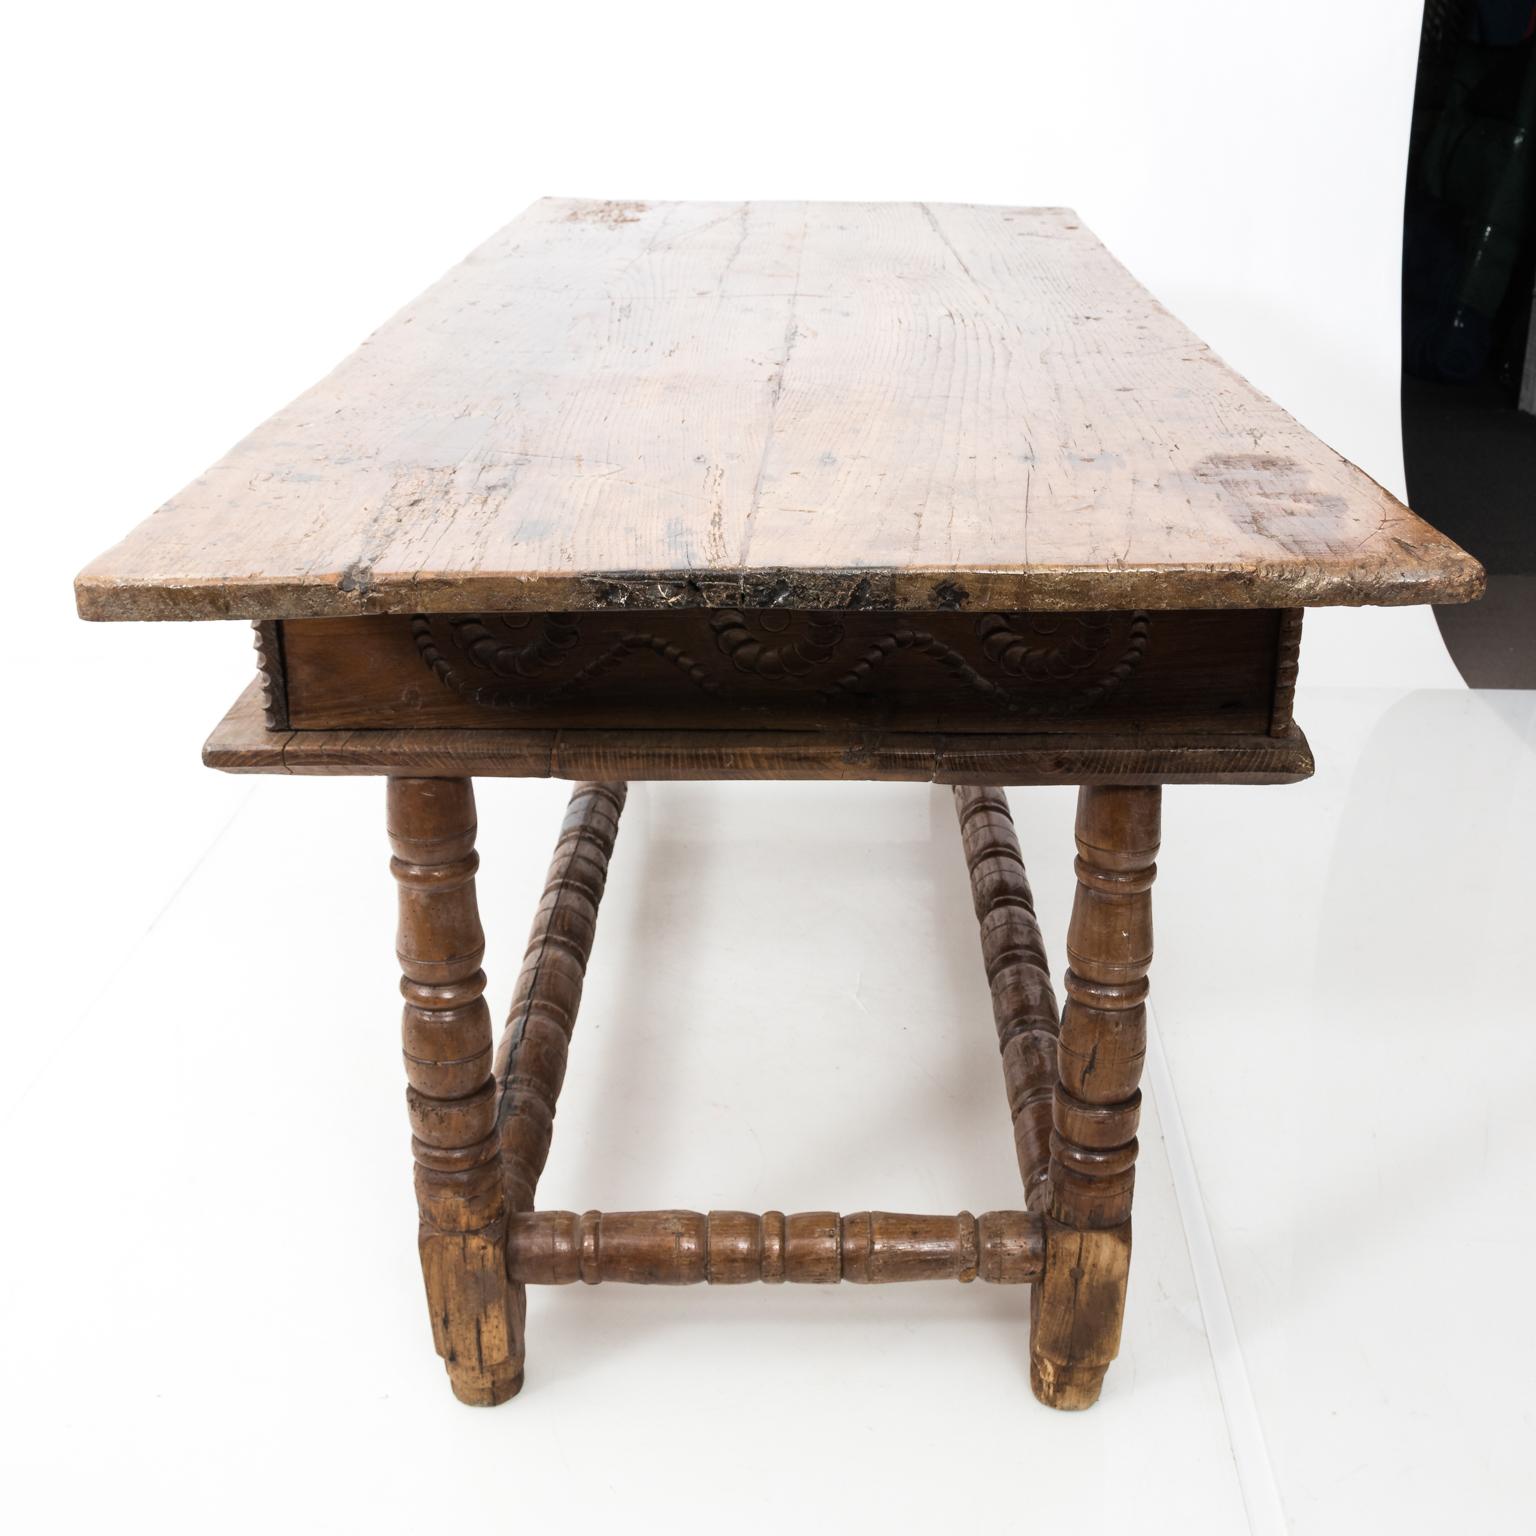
(609, 213)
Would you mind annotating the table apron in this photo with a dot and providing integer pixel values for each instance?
(1205, 672)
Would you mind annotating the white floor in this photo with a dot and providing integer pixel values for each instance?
(214, 1319)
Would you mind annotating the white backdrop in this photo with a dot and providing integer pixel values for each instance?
(210, 205)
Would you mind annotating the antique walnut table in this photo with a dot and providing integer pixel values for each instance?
(788, 491)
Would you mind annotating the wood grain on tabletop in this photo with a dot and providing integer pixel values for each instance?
(809, 405)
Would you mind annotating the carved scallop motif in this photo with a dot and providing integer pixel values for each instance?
(270, 674)
(1021, 664)
(788, 660)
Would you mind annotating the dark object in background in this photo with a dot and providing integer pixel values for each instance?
(1469, 262)
(1468, 253)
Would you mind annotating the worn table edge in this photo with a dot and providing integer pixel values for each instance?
(1453, 576)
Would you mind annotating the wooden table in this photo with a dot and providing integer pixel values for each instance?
(776, 490)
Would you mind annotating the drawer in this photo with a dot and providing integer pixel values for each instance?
(1200, 671)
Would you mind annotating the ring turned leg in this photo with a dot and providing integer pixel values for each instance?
(476, 1318)
(1077, 1306)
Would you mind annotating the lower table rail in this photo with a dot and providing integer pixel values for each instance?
(807, 1247)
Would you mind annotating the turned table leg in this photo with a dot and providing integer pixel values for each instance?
(1077, 1306)
(476, 1316)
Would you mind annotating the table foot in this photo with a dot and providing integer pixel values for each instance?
(1075, 1313)
(486, 1389)
(1069, 1388)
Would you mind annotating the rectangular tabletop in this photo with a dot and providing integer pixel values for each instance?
(811, 405)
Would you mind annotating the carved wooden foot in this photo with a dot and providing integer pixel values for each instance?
(476, 1311)
(1077, 1305)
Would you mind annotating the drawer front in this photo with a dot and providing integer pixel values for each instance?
(1203, 671)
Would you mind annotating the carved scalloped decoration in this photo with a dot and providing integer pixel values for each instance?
(269, 673)
(1287, 661)
(1022, 664)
